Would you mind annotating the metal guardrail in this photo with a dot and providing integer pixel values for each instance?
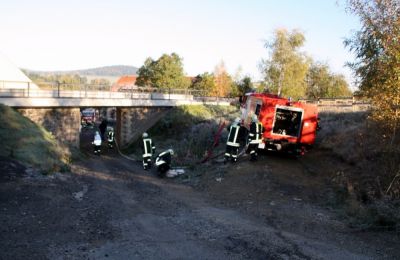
(21, 89)
(345, 101)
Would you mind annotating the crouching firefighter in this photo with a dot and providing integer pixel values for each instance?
(110, 138)
(97, 143)
(255, 137)
(148, 149)
(163, 162)
(232, 143)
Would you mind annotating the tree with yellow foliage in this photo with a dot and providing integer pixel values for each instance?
(377, 49)
(223, 81)
(286, 69)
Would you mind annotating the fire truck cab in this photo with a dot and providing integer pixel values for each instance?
(288, 126)
(88, 116)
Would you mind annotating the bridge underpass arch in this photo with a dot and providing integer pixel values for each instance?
(128, 123)
(131, 122)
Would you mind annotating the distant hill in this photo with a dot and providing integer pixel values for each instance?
(115, 70)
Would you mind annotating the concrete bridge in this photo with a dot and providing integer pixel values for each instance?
(58, 110)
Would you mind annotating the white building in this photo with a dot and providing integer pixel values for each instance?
(11, 77)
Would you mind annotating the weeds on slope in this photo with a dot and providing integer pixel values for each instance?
(30, 143)
(370, 189)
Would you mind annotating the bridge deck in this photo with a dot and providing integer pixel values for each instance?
(71, 98)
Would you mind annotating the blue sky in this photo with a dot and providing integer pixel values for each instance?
(65, 35)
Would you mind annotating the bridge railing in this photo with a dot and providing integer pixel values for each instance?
(19, 89)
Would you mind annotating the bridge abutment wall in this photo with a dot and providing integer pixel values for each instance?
(63, 123)
(133, 121)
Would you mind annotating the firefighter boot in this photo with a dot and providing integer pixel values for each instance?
(148, 163)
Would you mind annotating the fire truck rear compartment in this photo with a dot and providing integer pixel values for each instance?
(287, 122)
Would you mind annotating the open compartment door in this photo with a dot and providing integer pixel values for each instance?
(287, 121)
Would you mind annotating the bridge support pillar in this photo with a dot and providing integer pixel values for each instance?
(133, 121)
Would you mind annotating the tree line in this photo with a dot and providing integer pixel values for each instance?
(287, 72)
(69, 81)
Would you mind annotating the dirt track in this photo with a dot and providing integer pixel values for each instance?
(109, 208)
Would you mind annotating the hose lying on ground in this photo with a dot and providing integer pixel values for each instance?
(125, 156)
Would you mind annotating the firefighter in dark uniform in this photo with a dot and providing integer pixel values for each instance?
(110, 137)
(148, 149)
(163, 161)
(102, 128)
(255, 137)
(232, 143)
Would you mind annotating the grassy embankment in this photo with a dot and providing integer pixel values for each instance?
(368, 191)
(30, 143)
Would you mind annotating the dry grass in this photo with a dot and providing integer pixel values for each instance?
(372, 190)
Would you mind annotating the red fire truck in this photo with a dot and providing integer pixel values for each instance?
(288, 126)
(88, 117)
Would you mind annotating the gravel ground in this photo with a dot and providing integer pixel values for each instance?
(108, 207)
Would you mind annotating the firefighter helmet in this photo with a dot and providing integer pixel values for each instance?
(145, 135)
(237, 120)
(254, 118)
(171, 151)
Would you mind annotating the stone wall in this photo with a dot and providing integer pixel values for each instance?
(339, 105)
(63, 123)
(132, 122)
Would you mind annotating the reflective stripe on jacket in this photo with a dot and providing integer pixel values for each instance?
(147, 147)
(256, 131)
(233, 136)
(110, 136)
(164, 157)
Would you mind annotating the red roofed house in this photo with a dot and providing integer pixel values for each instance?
(125, 83)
